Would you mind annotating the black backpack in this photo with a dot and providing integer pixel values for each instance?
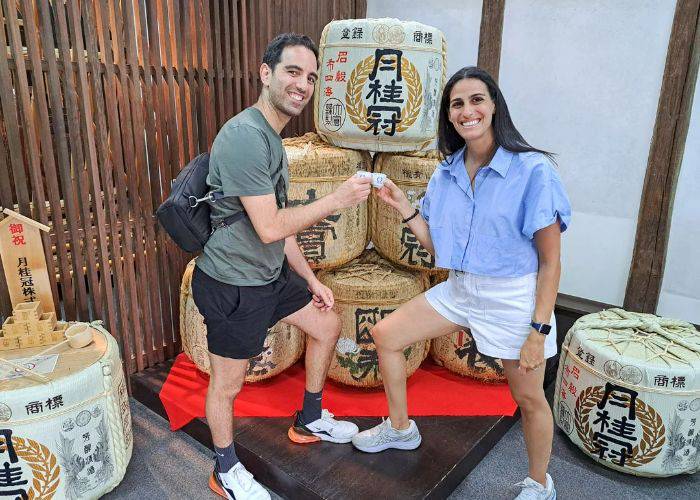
(185, 213)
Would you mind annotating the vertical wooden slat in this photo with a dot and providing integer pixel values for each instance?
(238, 49)
(490, 36)
(104, 303)
(665, 158)
(104, 170)
(32, 141)
(245, 53)
(210, 94)
(215, 7)
(8, 100)
(87, 249)
(149, 299)
(64, 167)
(155, 130)
(178, 34)
(229, 77)
(48, 160)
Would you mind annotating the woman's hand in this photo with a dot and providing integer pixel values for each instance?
(532, 352)
(322, 295)
(394, 197)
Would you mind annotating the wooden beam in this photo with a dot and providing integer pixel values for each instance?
(665, 158)
(490, 36)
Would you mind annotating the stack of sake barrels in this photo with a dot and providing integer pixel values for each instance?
(628, 392)
(65, 422)
(379, 88)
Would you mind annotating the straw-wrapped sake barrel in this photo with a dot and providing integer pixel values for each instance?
(380, 84)
(628, 392)
(316, 169)
(392, 239)
(366, 290)
(458, 353)
(283, 347)
(67, 435)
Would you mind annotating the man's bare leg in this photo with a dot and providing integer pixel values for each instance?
(225, 382)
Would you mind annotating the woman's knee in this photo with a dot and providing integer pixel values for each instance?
(531, 400)
(384, 338)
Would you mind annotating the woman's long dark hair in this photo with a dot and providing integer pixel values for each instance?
(507, 136)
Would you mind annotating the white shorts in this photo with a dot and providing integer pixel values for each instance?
(498, 311)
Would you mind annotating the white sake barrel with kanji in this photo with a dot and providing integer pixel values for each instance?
(392, 239)
(283, 346)
(66, 431)
(380, 84)
(628, 392)
(316, 169)
(366, 290)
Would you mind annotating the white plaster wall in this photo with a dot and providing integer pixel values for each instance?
(582, 79)
(459, 20)
(680, 289)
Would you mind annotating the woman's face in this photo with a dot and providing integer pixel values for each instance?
(471, 109)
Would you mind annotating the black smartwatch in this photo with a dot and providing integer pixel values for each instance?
(543, 328)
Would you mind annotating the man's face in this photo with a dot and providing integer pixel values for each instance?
(291, 84)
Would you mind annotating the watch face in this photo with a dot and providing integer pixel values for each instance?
(545, 329)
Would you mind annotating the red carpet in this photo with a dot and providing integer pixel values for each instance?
(432, 390)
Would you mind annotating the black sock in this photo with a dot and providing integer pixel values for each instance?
(226, 457)
(312, 406)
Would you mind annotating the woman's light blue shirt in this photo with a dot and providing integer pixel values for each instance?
(489, 231)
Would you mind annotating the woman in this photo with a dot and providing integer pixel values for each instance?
(493, 214)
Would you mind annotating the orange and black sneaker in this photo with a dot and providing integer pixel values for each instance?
(325, 428)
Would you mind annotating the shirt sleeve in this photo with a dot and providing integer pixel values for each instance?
(243, 158)
(545, 199)
(425, 201)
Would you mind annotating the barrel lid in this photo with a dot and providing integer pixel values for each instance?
(69, 361)
(637, 339)
(310, 157)
(370, 277)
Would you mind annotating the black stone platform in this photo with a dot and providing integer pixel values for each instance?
(452, 447)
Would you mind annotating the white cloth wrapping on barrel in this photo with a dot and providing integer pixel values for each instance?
(380, 82)
(77, 428)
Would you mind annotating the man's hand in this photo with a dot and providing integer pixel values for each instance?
(322, 295)
(532, 352)
(352, 192)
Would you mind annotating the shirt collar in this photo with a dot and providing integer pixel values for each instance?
(500, 162)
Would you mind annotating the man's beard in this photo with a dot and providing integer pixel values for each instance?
(279, 101)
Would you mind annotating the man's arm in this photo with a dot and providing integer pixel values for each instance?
(273, 224)
(322, 295)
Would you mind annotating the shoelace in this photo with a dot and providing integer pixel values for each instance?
(530, 485)
(326, 415)
(379, 428)
(244, 477)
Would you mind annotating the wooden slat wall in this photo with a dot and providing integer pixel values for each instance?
(101, 104)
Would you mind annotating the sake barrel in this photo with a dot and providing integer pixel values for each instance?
(458, 353)
(366, 290)
(628, 392)
(380, 84)
(316, 169)
(392, 239)
(65, 432)
(283, 346)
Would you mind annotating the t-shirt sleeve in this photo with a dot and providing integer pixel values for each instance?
(243, 156)
(545, 200)
(425, 201)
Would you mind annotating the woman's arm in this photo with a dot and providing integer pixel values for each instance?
(392, 195)
(548, 243)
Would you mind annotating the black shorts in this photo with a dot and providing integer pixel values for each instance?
(238, 317)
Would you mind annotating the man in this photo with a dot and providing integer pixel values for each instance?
(243, 283)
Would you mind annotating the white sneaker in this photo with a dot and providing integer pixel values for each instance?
(532, 490)
(237, 484)
(384, 436)
(325, 428)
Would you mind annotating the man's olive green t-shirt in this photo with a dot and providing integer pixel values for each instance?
(246, 159)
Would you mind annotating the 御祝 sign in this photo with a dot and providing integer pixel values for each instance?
(379, 85)
(23, 260)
